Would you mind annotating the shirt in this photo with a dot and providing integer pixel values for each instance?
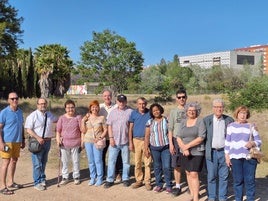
(174, 120)
(218, 137)
(139, 121)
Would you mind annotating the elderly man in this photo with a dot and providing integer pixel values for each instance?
(118, 126)
(217, 169)
(11, 140)
(38, 122)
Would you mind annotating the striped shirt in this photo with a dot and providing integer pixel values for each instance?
(158, 132)
(237, 137)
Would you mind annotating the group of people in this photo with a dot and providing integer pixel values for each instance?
(181, 141)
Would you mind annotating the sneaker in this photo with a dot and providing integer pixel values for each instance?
(176, 192)
(91, 182)
(158, 189)
(39, 187)
(126, 183)
(168, 190)
(137, 184)
(148, 187)
(64, 181)
(43, 183)
(98, 183)
(118, 178)
(76, 181)
(108, 184)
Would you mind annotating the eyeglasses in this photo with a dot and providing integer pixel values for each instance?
(181, 97)
(15, 98)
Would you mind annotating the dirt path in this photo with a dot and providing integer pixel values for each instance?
(83, 192)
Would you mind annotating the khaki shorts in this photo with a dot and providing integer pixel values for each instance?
(13, 152)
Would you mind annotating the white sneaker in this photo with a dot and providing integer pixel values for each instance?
(43, 183)
(39, 187)
(64, 181)
(76, 181)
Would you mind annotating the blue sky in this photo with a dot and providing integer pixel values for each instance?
(160, 29)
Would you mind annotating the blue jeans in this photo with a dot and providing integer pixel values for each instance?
(162, 164)
(39, 161)
(95, 162)
(113, 153)
(244, 175)
(217, 168)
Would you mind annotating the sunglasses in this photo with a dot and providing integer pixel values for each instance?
(16, 98)
(181, 97)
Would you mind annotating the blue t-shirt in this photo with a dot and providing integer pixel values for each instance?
(12, 124)
(139, 122)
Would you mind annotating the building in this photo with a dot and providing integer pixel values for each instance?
(234, 59)
(258, 48)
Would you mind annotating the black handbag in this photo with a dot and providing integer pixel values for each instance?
(33, 145)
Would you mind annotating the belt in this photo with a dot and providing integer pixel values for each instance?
(139, 138)
(218, 149)
(47, 138)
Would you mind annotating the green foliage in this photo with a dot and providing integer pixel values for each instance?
(112, 60)
(254, 95)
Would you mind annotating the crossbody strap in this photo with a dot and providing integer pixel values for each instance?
(45, 126)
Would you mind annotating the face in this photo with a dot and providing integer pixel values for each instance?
(191, 113)
(121, 105)
(156, 112)
(181, 99)
(70, 109)
(242, 116)
(13, 100)
(141, 105)
(94, 109)
(42, 105)
(218, 109)
(107, 97)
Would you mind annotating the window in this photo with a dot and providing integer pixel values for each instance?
(245, 59)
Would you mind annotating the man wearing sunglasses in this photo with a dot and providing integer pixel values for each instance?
(175, 118)
(11, 140)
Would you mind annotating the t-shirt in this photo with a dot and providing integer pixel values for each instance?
(139, 121)
(95, 127)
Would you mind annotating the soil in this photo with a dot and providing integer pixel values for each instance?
(118, 192)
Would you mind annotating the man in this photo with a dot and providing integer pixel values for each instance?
(105, 108)
(175, 118)
(118, 127)
(217, 169)
(35, 126)
(138, 120)
(11, 140)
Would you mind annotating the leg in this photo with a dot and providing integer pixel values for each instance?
(113, 153)
(138, 144)
(223, 174)
(76, 162)
(65, 155)
(157, 163)
(126, 163)
(238, 178)
(37, 168)
(212, 167)
(99, 165)
(104, 152)
(147, 167)
(4, 168)
(193, 179)
(44, 159)
(91, 162)
(119, 164)
(166, 166)
(249, 171)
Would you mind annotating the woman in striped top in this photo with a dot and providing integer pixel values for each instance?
(237, 146)
(157, 144)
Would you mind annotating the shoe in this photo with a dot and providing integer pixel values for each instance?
(98, 183)
(108, 184)
(43, 183)
(148, 187)
(76, 181)
(158, 189)
(91, 182)
(176, 192)
(39, 187)
(6, 191)
(126, 183)
(137, 184)
(118, 178)
(64, 181)
(15, 186)
(168, 190)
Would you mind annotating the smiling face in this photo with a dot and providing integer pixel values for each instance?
(13, 100)
(94, 109)
(242, 116)
(107, 98)
(42, 104)
(218, 109)
(191, 113)
(181, 99)
(70, 110)
(141, 105)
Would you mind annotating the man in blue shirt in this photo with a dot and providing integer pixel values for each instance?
(137, 120)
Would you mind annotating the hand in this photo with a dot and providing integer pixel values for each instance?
(172, 149)
(131, 147)
(22, 146)
(147, 152)
(186, 152)
(112, 142)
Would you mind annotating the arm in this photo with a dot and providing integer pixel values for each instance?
(147, 142)
(33, 134)
(111, 137)
(130, 136)
(83, 123)
(2, 144)
(171, 145)
(23, 139)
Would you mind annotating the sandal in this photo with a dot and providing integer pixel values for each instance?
(15, 186)
(6, 191)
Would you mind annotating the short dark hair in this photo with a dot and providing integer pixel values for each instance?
(158, 106)
(68, 102)
(181, 91)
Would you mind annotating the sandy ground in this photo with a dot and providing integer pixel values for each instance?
(118, 192)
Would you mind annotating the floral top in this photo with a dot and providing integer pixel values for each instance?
(95, 127)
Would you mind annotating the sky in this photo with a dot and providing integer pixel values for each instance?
(159, 28)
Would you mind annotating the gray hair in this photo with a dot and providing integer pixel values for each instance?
(195, 105)
(218, 100)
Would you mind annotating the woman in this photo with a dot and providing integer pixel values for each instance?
(237, 146)
(192, 133)
(157, 144)
(68, 137)
(94, 129)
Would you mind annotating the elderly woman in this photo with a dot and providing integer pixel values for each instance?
(237, 146)
(94, 129)
(190, 137)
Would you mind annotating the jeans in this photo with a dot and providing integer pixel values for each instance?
(74, 155)
(217, 170)
(113, 153)
(39, 161)
(139, 155)
(162, 164)
(95, 162)
(244, 175)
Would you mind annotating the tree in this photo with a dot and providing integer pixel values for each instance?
(112, 60)
(53, 66)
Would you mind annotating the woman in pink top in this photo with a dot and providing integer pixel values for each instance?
(68, 138)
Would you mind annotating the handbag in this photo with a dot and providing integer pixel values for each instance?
(100, 144)
(33, 145)
(254, 152)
